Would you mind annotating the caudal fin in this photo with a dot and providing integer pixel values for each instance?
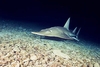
(78, 33)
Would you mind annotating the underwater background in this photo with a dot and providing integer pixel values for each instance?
(17, 44)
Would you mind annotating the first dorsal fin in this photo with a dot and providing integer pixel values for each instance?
(67, 24)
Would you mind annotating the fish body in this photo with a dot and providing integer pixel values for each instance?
(60, 32)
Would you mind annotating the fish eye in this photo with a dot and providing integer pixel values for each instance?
(50, 30)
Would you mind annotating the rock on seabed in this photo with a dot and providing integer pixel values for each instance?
(59, 53)
(96, 65)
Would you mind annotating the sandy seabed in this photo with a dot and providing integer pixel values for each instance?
(20, 48)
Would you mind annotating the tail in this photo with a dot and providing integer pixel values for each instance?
(78, 33)
(76, 36)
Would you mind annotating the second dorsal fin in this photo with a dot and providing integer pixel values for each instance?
(74, 31)
(67, 24)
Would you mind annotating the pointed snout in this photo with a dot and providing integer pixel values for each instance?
(38, 33)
